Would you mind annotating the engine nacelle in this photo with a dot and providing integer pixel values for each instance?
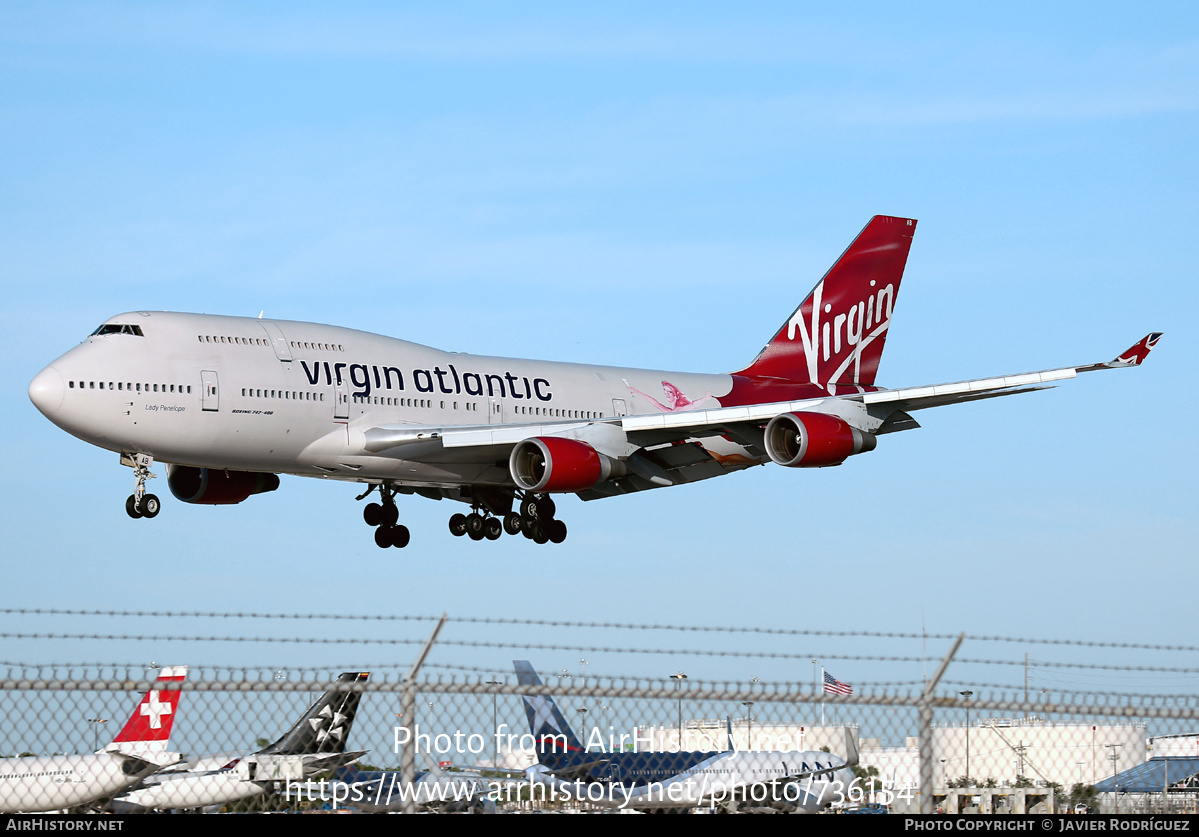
(211, 487)
(549, 463)
(813, 440)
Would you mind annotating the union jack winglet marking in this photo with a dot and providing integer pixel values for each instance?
(1137, 353)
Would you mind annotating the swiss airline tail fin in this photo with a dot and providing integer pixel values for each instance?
(149, 728)
(836, 336)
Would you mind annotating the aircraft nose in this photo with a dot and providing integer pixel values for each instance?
(46, 391)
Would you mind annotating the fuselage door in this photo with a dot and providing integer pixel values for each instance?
(341, 401)
(495, 411)
(618, 407)
(210, 395)
(278, 341)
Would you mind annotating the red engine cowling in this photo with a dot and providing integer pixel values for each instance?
(813, 440)
(548, 463)
(217, 487)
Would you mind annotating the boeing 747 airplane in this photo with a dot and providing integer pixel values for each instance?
(229, 403)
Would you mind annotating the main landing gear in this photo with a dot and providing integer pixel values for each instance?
(385, 517)
(139, 503)
(535, 521)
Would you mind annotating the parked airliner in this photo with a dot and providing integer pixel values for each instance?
(315, 744)
(788, 781)
(229, 403)
(52, 783)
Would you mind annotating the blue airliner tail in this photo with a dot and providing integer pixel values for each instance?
(551, 732)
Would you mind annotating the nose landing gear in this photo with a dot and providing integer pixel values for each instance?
(139, 503)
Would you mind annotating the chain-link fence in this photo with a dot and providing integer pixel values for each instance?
(417, 736)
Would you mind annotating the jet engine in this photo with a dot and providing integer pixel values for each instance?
(212, 487)
(548, 463)
(813, 440)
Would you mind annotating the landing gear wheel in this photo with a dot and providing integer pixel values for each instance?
(474, 526)
(512, 523)
(458, 525)
(389, 514)
(400, 536)
(556, 530)
(492, 529)
(526, 527)
(372, 514)
(140, 504)
(528, 508)
(383, 537)
(539, 535)
(150, 506)
(546, 508)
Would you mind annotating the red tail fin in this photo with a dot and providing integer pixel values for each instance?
(837, 334)
(149, 728)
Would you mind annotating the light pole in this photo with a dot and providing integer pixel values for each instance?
(495, 729)
(967, 695)
(678, 686)
(279, 676)
(95, 722)
(749, 728)
(1115, 760)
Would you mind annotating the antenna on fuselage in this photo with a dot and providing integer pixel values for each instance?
(260, 313)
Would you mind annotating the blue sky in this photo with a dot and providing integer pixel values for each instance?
(647, 186)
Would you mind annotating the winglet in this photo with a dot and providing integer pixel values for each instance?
(1137, 353)
(1134, 356)
(851, 748)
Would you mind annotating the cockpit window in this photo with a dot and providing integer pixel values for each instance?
(117, 328)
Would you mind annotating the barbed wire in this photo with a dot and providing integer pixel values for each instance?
(593, 625)
(587, 649)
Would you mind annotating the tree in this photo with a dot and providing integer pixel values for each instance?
(1083, 794)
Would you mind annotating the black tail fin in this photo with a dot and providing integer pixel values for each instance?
(325, 727)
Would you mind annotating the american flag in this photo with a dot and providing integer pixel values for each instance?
(833, 686)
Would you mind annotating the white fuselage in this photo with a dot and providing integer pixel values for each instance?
(754, 779)
(297, 398)
(51, 783)
(194, 790)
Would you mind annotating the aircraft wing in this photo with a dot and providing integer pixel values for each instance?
(895, 400)
(652, 446)
(320, 762)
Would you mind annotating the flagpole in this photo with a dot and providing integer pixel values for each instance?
(815, 676)
(822, 693)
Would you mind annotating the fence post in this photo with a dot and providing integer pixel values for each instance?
(408, 718)
(926, 730)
